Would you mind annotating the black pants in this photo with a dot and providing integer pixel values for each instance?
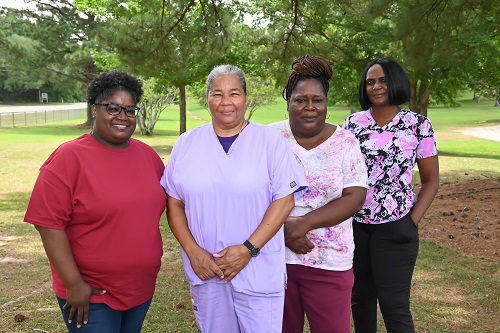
(384, 260)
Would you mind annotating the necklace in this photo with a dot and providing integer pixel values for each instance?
(231, 148)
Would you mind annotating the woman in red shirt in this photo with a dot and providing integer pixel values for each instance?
(97, 204)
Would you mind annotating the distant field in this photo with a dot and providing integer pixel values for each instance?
(452, 292)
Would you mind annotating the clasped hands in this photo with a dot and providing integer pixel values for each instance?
(224, 265)
(296, 239)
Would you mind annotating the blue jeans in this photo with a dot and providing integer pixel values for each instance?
(103, 319)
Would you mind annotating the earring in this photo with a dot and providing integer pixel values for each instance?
(328, 115)
(93, 116)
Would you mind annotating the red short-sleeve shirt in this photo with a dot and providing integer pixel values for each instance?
(109, 202)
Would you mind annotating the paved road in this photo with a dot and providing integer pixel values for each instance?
(484, 132)
(42, 107)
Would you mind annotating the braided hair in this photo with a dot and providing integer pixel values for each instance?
(306, 67)
(107, 83)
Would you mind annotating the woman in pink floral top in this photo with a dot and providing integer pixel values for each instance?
(393, 140)
(318, 233)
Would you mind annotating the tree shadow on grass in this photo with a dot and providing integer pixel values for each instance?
(158, 133)
(488, 121)
(163, 150)
(76, 131)
(470, 155)
(15, 202)
(59, 130)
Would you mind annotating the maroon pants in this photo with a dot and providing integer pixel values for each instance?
(324, 296)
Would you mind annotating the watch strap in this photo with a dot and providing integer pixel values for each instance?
(254, 250)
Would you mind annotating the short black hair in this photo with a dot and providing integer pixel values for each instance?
(398, 84)
(107, 83)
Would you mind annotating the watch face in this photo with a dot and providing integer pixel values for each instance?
(255, 252)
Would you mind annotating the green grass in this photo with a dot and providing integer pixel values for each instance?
(451, 291)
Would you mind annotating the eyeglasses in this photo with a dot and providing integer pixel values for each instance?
(115, 109)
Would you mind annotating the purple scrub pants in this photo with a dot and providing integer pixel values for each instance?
(219, 308)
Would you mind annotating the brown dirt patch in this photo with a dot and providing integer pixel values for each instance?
(465, 216)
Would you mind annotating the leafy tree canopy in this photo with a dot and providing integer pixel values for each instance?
(439, 43)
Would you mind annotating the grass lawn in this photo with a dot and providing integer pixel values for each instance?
(451, 291)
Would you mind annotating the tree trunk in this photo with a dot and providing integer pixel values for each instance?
(497, 103)
(182, 109)
(91, 71)
(6, 99)
(476, 98)
(90, 120)
(419, 108)
(420, 93)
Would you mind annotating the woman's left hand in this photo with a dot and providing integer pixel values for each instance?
(429, 176)
(232, 260)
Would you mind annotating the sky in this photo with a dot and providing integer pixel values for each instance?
(19, 4)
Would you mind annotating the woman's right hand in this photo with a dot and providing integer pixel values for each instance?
(300, 245)
(58, 249)
(203, 264)
(295, 230)
(78, 299)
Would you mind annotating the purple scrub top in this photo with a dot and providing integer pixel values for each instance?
(226, 197)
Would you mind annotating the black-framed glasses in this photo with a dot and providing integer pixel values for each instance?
(114, 109)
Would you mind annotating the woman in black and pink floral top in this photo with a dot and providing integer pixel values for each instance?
(392, 140)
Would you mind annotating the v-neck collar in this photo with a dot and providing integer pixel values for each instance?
(289, 130)
(376, 125)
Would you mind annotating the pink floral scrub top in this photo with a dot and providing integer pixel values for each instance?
(330, 167)
(391, 152)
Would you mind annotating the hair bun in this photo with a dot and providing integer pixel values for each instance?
(310, 65)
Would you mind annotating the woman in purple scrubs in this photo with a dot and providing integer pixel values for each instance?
(230, 187)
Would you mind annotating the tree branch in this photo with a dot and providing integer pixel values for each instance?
(295, 7)
(176, 23)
